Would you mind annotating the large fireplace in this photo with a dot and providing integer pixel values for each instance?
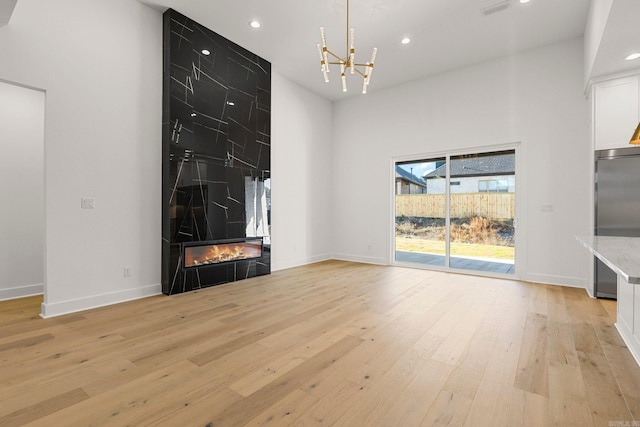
(201, 254)
(216, 159)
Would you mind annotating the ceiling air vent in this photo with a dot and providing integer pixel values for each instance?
(498, 7)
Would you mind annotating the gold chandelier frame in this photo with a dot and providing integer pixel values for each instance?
(348, 61)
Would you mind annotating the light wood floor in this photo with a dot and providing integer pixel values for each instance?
(334, 343)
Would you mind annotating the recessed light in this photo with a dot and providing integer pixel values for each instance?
(193, 114)
(406, 40)
(206, 52)
(633, 56)
(254, 24)
(231, 103)
(525, 1)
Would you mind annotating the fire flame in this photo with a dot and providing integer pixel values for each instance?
(214, 254)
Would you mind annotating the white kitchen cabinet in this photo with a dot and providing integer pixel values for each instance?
(626, 303)
(616, 111)
(628, 319)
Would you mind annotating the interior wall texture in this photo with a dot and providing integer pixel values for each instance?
(100, 63)
(534, 98)
(301, 159)
(103, 140)
(22, 190)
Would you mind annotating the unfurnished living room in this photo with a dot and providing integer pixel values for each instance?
(339, 212)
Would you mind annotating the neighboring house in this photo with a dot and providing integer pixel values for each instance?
(407, 183)
(475, 175)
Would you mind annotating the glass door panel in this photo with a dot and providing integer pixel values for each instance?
(421, 212)
(457, 211)
(482, 212)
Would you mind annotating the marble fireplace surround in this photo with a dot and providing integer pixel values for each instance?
(215, 154)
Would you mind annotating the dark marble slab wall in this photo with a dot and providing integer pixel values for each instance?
(215, 144)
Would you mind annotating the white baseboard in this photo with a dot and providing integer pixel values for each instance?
(297, 262)
(572, 282)
(361, 259)
(21, 292)
(73, 306)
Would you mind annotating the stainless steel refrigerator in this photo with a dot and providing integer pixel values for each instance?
(617, 200)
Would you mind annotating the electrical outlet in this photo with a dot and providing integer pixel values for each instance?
(127, 271)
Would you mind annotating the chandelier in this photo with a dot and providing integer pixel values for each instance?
(348, 62)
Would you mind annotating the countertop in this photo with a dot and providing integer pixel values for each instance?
(621, 254)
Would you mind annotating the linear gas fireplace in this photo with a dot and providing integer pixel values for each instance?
(200, 254)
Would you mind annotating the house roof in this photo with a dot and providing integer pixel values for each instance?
(408, 176)
(501, 164)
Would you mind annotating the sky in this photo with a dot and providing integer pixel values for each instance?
(419, 168)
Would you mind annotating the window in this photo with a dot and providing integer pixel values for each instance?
(493, 186)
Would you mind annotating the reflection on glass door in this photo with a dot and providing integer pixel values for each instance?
(421, 212)
(457, 212)
(481, 211)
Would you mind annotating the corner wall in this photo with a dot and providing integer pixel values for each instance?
(100, 63)
(301, 158)
(535, 98)
(6, 10)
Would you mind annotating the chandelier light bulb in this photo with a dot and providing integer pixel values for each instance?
(352, 51)
(344, 77)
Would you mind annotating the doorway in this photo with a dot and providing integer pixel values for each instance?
(22, 218)
(457, 212)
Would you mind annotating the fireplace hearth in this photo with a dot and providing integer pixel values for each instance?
(201, 254)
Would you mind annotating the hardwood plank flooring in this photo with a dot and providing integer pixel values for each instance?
(333, 343)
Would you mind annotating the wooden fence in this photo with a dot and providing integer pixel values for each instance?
(488, 205)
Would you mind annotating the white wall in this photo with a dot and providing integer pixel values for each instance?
(301, 157)
(535, 98)
(22, 190)
(100, 63)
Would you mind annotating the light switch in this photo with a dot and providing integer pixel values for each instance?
(87, 203)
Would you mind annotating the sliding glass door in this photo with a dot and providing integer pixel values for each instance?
(457, 212)
(421, 213)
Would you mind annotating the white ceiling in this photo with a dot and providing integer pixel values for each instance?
(446, 34)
